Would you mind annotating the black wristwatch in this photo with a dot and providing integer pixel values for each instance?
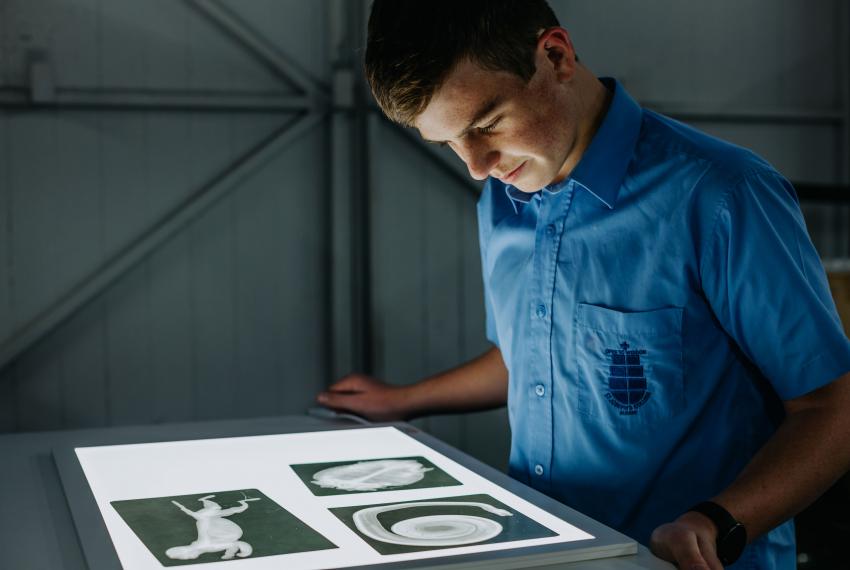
(731, 535)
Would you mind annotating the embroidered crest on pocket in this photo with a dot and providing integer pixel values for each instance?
(626, 380)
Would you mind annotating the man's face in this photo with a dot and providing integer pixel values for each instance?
(522, 134)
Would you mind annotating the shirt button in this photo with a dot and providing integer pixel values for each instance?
(550, 230)
(541, 311)
(538, 470)
(539, 390)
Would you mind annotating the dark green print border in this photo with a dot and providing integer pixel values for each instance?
(267, 527)
(435, 477)
(515, 527)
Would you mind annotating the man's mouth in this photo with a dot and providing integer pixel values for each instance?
(512, 175)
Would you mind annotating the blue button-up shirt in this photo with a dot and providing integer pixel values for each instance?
(654, 310)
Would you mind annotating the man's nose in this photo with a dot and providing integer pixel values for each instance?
(480, 159)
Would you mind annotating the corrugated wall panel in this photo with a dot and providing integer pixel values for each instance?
(173, 378)
(803, 153)
(213, 275)
(257, 212)
(6, 229)
(39, 400)
(778, 64)
(228, 317)
(397, 237)
(829, 228)
(8, 411)
(275, 213)
(84, 368)
(31, 168)
(132, 396)
(73, 44)
(299, 254)
(740, 54)
(226, 320)
(135, 48)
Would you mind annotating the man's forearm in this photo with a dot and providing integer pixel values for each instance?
(807, 454)
(480, 384)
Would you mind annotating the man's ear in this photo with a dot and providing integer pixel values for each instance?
(555, 48)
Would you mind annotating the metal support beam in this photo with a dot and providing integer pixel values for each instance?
(158, 99)
(361, 223)
(837, 194)
(842, 158)
(766, 115)
(843, 74)
(152, 238)
(266, 51)
(350, 204)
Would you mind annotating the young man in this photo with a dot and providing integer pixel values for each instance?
(663, 331)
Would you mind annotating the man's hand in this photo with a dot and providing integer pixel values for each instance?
(480, 384)
(689, 542)
(368, 397)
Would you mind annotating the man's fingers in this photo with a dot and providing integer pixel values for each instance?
(338, 400)
(709, 554)
(680, 546)
(364, 396)
(687, 554)
(347, 384)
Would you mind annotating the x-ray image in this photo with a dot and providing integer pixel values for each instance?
(413, 526)
(372, 475)
(225, 525)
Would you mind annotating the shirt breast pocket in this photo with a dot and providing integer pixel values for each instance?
(629, 365)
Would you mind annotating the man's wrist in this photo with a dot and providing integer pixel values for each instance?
(730, 535)
(406, 398)
(701, 523)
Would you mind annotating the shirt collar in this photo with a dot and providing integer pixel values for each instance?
(603, 165)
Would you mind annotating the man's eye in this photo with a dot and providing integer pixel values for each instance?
(489, 128)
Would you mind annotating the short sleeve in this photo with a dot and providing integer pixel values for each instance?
(764, 280)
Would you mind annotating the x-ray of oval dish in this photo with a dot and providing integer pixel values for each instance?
(434, 530)
(371, 475)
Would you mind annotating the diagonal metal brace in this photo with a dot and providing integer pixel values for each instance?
(441, 159)
(240, 30)
(148, 241)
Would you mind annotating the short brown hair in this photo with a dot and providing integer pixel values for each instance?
(413, 45)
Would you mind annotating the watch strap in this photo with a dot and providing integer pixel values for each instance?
(731, 534)
(721, 518)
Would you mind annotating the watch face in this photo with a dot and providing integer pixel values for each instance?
(731, 545)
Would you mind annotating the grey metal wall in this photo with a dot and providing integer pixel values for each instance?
(228, 317)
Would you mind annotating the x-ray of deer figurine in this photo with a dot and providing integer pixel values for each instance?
(215, 533)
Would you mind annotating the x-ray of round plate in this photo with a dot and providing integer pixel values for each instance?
(449, 529)
(371, 475)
